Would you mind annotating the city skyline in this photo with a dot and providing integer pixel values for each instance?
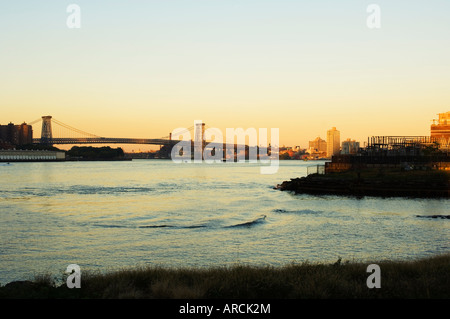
(143, 69)
(335, 143)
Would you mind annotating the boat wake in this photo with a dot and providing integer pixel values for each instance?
(248, 224)
(254, 222)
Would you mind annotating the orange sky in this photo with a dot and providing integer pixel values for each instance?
(143, 69)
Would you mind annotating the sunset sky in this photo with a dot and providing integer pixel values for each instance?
(143, 68)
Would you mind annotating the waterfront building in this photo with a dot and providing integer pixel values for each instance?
(440, 131)
(318, 145)
(333, 142)
(31, 156)
(16, 134)
(350, 147)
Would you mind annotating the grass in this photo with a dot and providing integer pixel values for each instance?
(425, 279)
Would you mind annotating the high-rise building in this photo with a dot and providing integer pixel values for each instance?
(333, 142)
(350, 147)
(25, 134)
(16, 134)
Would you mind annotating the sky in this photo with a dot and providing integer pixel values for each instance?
(141, 69)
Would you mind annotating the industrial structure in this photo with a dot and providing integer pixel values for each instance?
(424, 152)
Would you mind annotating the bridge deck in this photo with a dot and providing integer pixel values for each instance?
(107, 140)
(104, 140)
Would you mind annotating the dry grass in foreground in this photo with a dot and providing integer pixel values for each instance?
(424, 278)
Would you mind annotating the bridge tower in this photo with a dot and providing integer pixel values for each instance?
(46, 133)
(199, 139)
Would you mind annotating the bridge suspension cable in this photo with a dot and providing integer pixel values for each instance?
(214, 129)
(63, 130)
(35, 121)
(61, 133)
(73, 129)
(189, 129)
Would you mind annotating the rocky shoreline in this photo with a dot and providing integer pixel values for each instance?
(386, 184)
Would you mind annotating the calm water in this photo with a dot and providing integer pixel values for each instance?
(110, 215)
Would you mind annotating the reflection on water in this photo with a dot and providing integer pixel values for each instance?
(108, 215)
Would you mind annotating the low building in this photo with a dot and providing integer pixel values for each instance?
(318, 145)
(440, 131)
(31, 156)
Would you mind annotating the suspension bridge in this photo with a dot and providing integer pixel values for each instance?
(54, 132)
(57, 132)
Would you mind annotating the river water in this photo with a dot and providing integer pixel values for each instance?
(113, 215)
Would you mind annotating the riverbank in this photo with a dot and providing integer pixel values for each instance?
(374, 182)
(426, 278)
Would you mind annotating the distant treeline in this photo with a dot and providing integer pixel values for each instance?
(89, 152)
(37, 147)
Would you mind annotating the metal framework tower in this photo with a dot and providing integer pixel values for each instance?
(46, 133)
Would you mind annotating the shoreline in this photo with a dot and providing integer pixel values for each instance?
(386, 183)
(423, 278)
